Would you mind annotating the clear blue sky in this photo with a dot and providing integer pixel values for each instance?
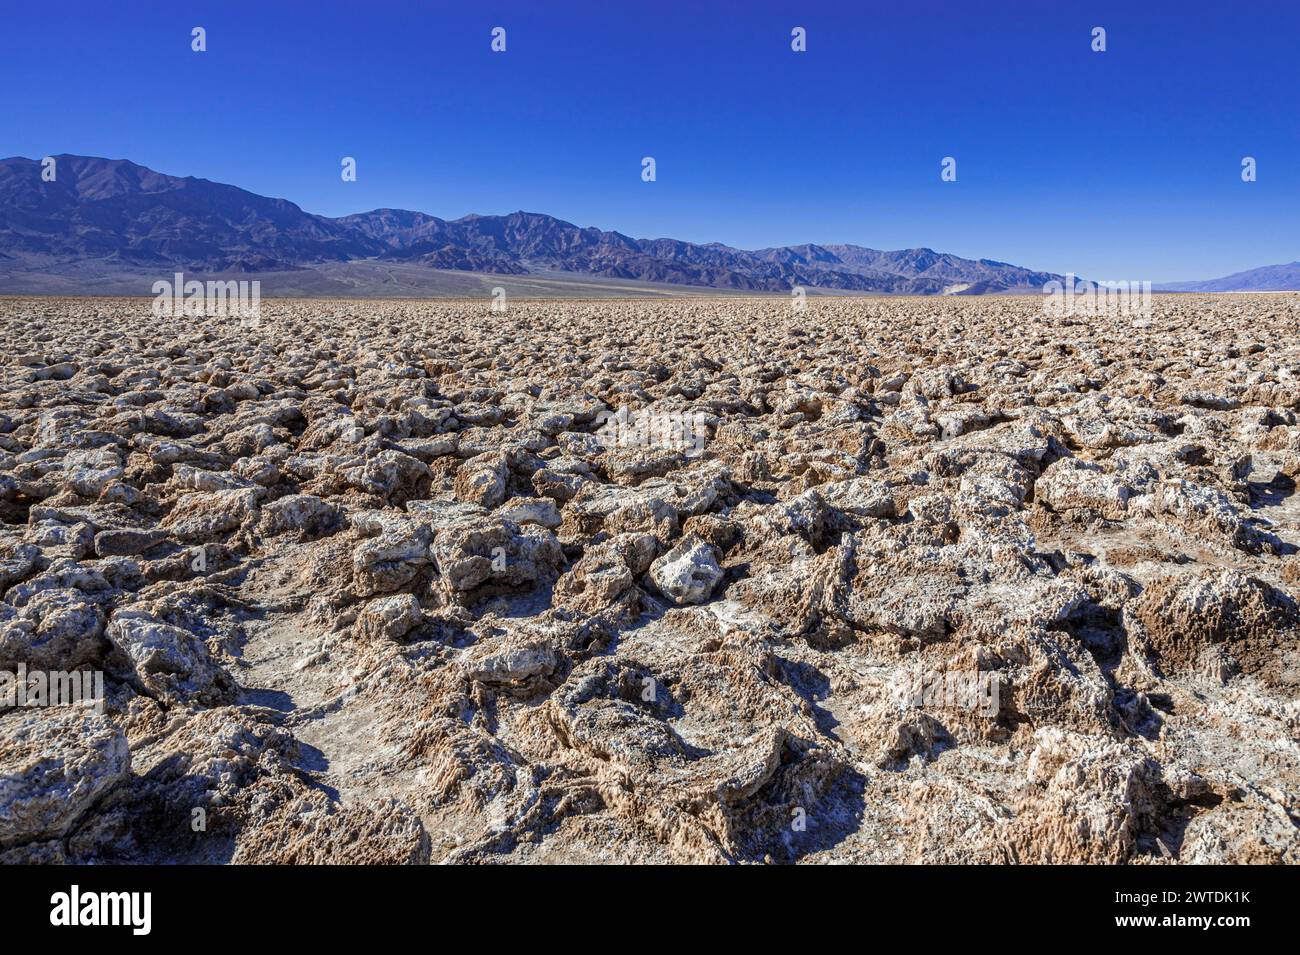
(1123, 164)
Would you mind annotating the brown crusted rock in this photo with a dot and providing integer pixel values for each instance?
(1256, 831)
(695, 781)
(1203, 511)
(1070, 484)
(55, 630)
(497, 552)
(304, 514)
(596, 581)
(531, 510)
(167, 662)
(948, 822)
(1183, 615)
(389, 474)
(719, 532)
(127, 542)
(522, 658)
(54, 765)
(1086, 803)
(17, 563)
(482, 480)
(203, 517)
(310, 830)
(390, 561)
(558, 485)
(688, 573)
(389, 618)
(617, 510)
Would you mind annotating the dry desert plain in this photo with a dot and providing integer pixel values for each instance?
(933, 580)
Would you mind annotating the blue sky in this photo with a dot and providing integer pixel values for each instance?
(1117, 165)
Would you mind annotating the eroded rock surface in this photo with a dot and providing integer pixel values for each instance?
(885, 580)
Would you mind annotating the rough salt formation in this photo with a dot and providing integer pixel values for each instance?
(57, 764)
(941, 580)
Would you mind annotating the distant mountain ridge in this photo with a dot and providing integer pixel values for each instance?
(1268, 278)
(117, 211)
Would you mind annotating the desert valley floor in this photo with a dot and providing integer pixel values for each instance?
(932, 580)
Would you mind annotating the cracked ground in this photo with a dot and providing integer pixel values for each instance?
(370, 582)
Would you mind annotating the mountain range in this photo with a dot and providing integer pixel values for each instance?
(1268, 278)
(101, 224)
(118, 215)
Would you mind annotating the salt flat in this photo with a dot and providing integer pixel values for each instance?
(683, 580)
